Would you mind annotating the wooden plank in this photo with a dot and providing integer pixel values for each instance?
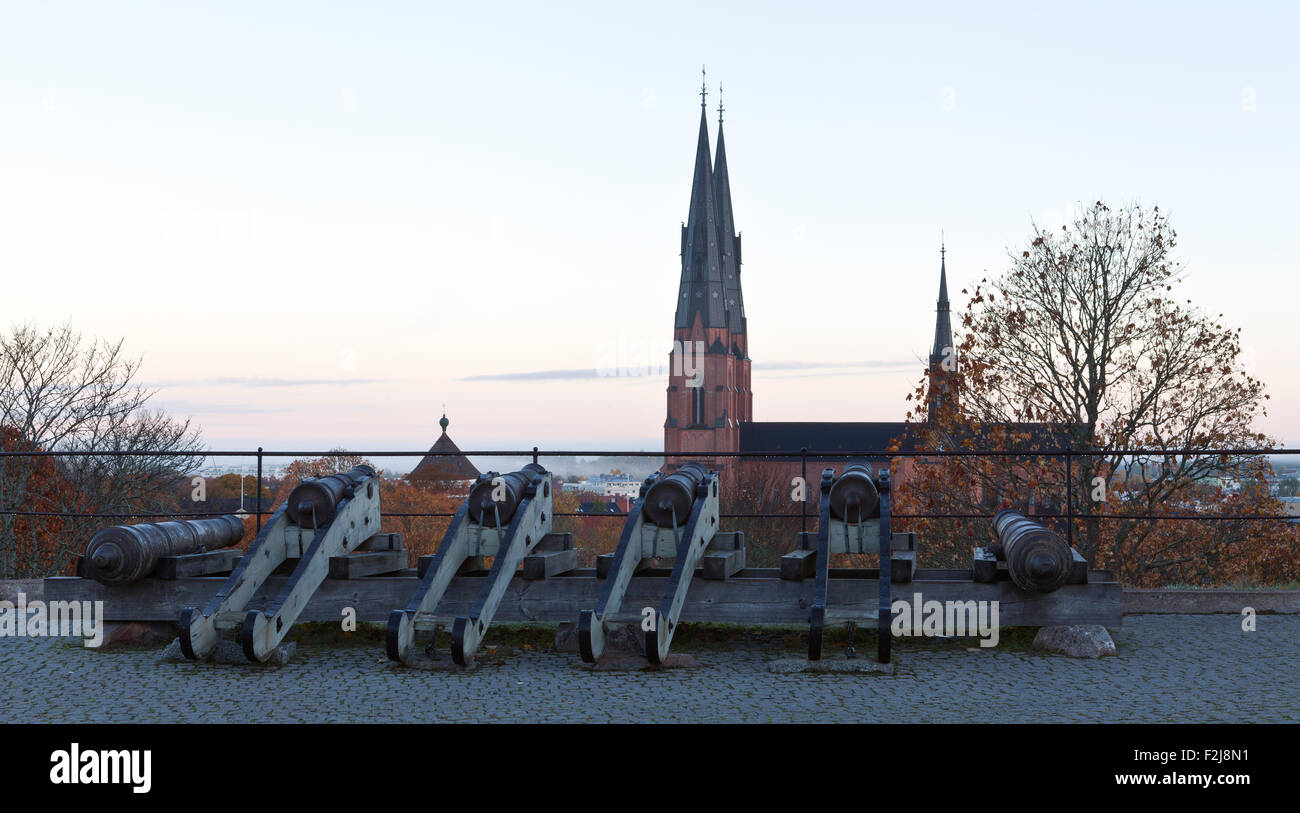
(366, 563)
(742, 599)
(197, 564)
(548, 563)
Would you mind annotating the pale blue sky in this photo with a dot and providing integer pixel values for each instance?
(320, 222)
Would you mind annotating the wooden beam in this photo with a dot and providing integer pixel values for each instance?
(1078, 568)
(198, 564)
(383, 541)
(548, 563)
(754, 596)
(367, 563)
(725, 556)
(902, 565)
(473, 564)
(718, 565)
(798, 565)
(984, 566)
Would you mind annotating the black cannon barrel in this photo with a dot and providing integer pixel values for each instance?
(853, 494)
(673, 495)
(125, 553)
(323, 494)
(484, 510)
(1037, 559)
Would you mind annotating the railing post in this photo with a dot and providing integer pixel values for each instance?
(259, 489)
(534, 454)
(803, 504)
(1069, 497)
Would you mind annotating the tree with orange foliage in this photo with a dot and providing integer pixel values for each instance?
(1083, 345)
(60, 394)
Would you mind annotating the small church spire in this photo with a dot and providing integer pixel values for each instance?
(943, 356)
(444, 423)
(943, 320)
(704, 90)
(720, 107)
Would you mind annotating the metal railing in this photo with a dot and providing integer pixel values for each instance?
(804, 455)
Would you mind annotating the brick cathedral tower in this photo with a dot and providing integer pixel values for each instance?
(708, 385)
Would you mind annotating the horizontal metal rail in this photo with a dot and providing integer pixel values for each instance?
(802, 455)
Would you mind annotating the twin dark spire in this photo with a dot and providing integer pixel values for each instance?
(710, 281)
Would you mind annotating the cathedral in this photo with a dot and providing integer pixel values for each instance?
(710, 398)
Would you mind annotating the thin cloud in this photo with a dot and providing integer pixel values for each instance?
(823, 365)
(537, 375)
(569, 375)
(237, 381)
(209, 408)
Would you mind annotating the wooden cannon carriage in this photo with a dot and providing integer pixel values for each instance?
(323, 557)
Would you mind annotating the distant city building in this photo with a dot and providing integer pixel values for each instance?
(622, 487)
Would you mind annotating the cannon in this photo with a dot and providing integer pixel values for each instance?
(313, 501)
(127, 553)
(506, 516)
(1038, 560)
(853, 495)
(324, 517)
(854, 517)
(675, 517)
(493, 500)
(668, 500)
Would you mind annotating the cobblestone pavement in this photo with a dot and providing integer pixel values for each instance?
(1194, 668)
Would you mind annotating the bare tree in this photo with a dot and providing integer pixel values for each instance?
(1082, 344)
(60, 394)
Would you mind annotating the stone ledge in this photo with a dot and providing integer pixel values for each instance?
(1139, 601)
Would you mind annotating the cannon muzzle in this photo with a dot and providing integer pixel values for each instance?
(672, 496)
(1037, 559)
(853, 494)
